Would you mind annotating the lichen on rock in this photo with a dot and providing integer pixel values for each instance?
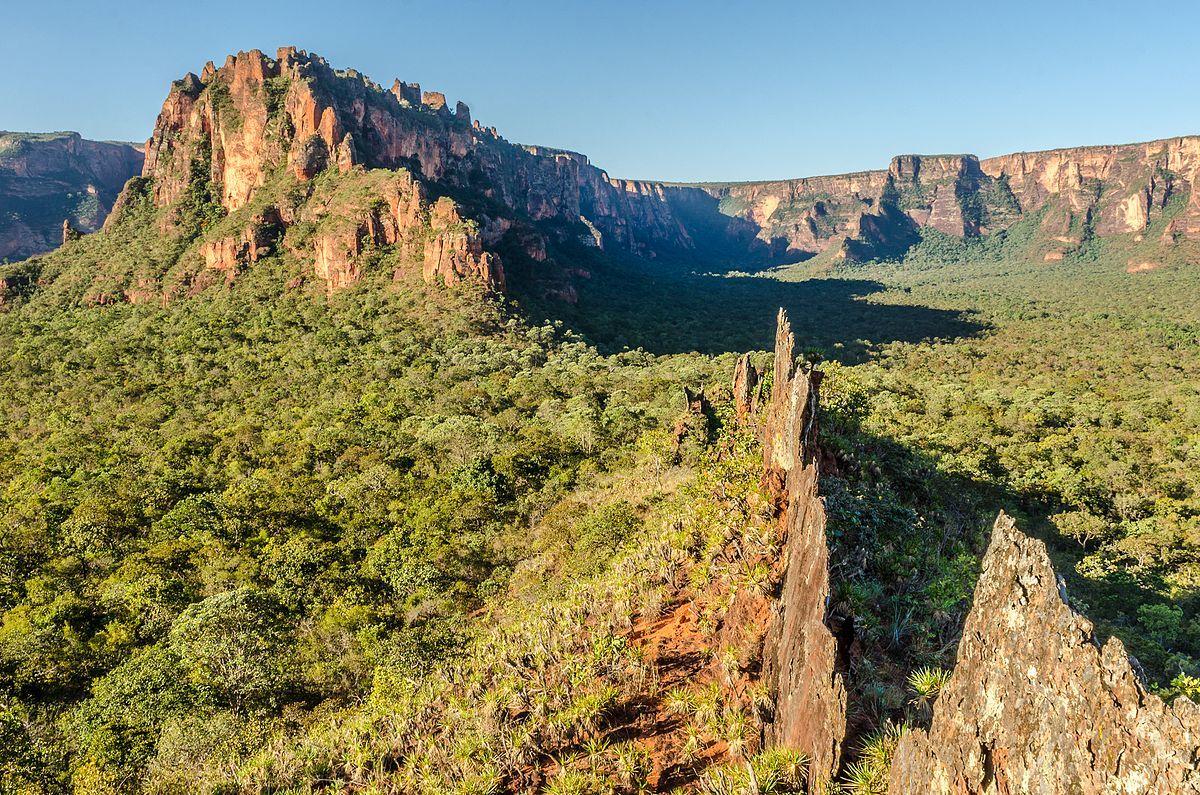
(1037, 705)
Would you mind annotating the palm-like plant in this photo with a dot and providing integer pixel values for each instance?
(927, 683)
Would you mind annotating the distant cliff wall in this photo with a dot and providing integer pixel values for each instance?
(1105, 190)
(49, 178)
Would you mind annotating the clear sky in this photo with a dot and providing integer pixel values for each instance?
(669, 90)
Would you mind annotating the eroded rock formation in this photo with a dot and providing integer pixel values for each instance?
(48, 180)
(1108, 190)
(745, 389)
(801, 652)
(257, 136)
(1036, 704)
(235, 127)
(789, 633)
(242, 120)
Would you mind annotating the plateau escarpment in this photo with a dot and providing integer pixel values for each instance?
(459, 193)
(1098, 190)
(48, 180)
(278, 156)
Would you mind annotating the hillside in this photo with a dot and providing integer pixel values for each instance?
(363, 450)
(47, 179)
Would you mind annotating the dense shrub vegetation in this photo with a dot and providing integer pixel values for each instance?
(265, 539)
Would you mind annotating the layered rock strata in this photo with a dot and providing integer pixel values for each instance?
(52, 181)
(236, 126)
(1101, 190)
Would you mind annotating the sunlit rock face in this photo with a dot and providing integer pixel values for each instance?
(1037, 705)
(1112, 190)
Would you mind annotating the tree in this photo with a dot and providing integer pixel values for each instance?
(233, 647)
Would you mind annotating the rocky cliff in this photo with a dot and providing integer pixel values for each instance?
(1101, 190)
(236, 128)
(790, 630)
(1037, 705)
(252, 159)
(48, 179)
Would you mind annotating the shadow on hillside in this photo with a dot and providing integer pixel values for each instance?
(900, 526)
(729, 242)
(675, 312)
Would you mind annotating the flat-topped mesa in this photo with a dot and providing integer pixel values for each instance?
(1036, 705)
(238, 124)
(1124, 187)
(790, 633)
(1111, 190)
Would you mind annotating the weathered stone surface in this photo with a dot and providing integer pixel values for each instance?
(69, 232)
(745, 388)
(801, 660)
(228, 114)
(229, 254)
(1122, 189)
(784, 640)
(1036, 705)
(454, 253)
(50, 179)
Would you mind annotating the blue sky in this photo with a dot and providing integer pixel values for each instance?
(669, 90)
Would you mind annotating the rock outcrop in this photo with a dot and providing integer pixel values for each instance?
(69, 232)
(256, 137)
(237, 123)
(801, 653)
(232, 129)
(789, 633)
(1037, 705)
(229, 254)
(48, 180)
(745, 389)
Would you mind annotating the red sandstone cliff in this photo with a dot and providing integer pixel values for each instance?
(255, 114)
(1121, 188)
(1109, 190)
(234, 134)
(236, 127)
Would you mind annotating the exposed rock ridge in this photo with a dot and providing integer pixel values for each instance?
(790, 631)
(801, 653)
(1036, 705)
(50, 179)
